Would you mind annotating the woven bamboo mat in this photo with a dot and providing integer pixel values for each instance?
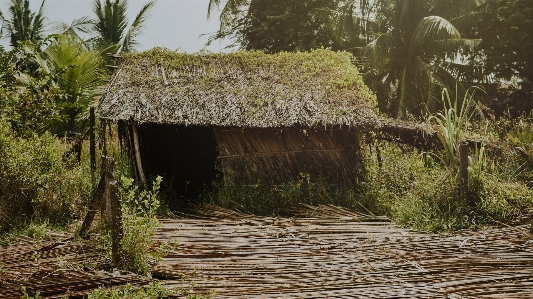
(328, 252)
(56, 269)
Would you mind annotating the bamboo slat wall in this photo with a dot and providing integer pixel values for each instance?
(276, 156)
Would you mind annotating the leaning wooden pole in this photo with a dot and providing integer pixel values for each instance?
(137, 153)
(108, 166)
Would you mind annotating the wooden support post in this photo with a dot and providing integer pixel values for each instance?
(463, 164)
(103, 143)
(137, 153)
(92, 140)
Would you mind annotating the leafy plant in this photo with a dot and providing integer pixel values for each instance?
(111, 24)
(154, 290)
(37, 186)
(23, 24)
(140, 223)
(26, 296)
(451, 126)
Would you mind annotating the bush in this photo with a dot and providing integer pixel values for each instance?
(415, 190)
(36, 185)
(140, 223)
(154, 290)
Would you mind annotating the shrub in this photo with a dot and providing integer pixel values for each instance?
(415, 190)
(36, 184)
(140, 223)
(154, 290)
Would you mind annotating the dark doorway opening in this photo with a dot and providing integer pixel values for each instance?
(185, 156)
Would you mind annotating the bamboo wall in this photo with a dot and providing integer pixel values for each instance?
(275, 156)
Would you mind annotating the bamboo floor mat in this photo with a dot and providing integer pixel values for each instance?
(57, 269)
(322, 252)
(328, 252)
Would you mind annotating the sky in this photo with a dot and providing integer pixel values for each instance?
(174, 24)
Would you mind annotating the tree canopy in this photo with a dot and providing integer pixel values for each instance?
(277, 25)
(22, 24)
(507, 34)
(111, 24)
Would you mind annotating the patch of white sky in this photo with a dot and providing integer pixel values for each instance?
(173, 24)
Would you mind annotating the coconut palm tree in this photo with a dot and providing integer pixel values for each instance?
(79, 72)
(111, 24)
(22, 24)
(409, 61)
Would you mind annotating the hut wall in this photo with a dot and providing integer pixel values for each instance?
(275, 156)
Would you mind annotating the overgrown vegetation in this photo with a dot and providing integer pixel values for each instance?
(421, 190)
(37, 185)
(140, 223)
(280, 200)
(153, 291)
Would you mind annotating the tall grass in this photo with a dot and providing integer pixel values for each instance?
(420, 190)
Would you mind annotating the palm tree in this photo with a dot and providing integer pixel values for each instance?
(23, 24)
(408, 62)
(111, 24)
(79, 72)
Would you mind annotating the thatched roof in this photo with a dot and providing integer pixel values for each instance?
(242, 89)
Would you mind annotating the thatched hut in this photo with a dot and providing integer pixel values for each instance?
(244, 118)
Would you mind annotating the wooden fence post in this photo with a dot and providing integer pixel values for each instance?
(106, 198)
(463, 173)
(113, 215)
(92, 146)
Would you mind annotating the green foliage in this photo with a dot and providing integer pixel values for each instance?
(111, 24)
(415, 190)
(452, 125)
(154, 290)
(278, 25)
(23, 24)
(280, 199)
(80, 74)
(140, 223)
(508, 38)
(25, 294)
(408, 62)
(519, 147)
(36, 184)
(28, 100)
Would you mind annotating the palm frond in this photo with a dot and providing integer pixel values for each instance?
(211, 7)
(380, 51)
(431, 30)
(341, 22)
(451, 9)
(38, 24)
(136, 27)
(231, 12)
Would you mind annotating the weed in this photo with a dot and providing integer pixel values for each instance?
(153, 291)
(263, 199)
(26, 296)
(140, 223)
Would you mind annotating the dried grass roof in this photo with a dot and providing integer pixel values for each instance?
(242, 89)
